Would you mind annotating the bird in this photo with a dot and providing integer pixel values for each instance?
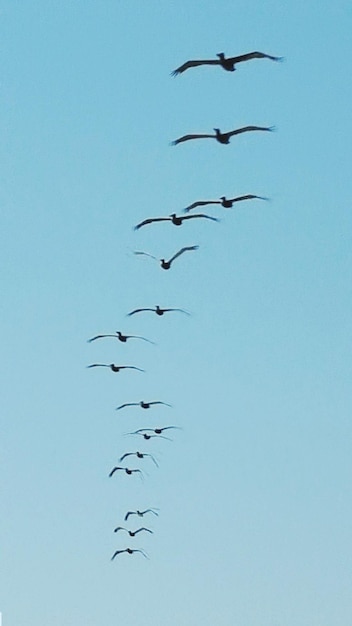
(174, 219)
(118, 335)
(139, 455)
(223, 137)
(132, 533)
(142, 404)
(147, 436)
(140, 513)
(226, 64)
(167, 264)
(129, 551)
(227, 203)
(156, 431)
(125, 469)
(116, 368)
(158, 310)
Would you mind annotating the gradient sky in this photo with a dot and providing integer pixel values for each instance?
(255, 491)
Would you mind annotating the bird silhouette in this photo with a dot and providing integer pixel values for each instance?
(174, 219)
(167, 264)
(118, 335)
(132, 533)
(156, 431)
(139, 455)
(116, 368)
(128, 471)
(158, 310)
(223, 138)
(147, 436)
(142, 404)
(226, 63)
(227, 203)
(129, 551)
(141, 513)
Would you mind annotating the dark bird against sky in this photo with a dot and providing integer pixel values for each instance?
(129, 551)
(116, 368)
(142, 404)
(167, 264)
(227, 203)
(118, 335)
(226, 63)
(174, 219)
(128, 471)
(158, 310)
(139, 455)
(132, 533)
(140, 513)
(223, 138)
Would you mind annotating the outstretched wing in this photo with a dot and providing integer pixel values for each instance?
(150, 220)
(253, 55)
(143, 528)
(119, 528)
(128, 514)
(139, 310)
(182, 251)
(99, 337)
(115, 469)
(247, 129)
(131, 367)
(188, 137)
(150, 511)
(200, 203)
(142, 552)
(248, 196)
(98, 365)
(194, 63)
(116, 553)
(122, 406)
(207, 217)
(138, 337)
(159, 402)
(146, 254)
(126, 454)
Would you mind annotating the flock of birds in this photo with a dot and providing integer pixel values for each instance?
(145, 434)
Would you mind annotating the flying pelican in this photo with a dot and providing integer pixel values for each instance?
(125, 469)
(223, 137)
(139, 455)
(142, 404)
(174, 219)
(132, 533)
(140, 513)
(167, 264)
(147, 436)
(158, 310)
(118, 335)
(156, 431)
(116, 368)
(226, 64)
(227, 203)
(129, 551)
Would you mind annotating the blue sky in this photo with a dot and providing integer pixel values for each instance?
(255, 491)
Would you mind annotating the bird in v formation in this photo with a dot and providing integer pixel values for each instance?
(227, 203)
(116, 368)
(128, 471)
(158, 310)
(132, 533)
(227, 64)
(142, 404)
(167, 264)
(141, 513)
(139, 455)
(129, 551)
(223, 138)
(174, 219)
(118, 335)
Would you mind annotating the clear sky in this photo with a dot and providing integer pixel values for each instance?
(255, 490)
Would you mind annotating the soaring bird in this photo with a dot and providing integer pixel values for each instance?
(132, 533)
(158, 310)
(174, 219)
(147, 436)
(156, 431)
(223, 137)
(129, 551)
(139, 455)
(125, 469)
(116, 368)
(227, 203)
(167, 264)
(140, 513)
(226, 64)
(142, 404)
(118, 335)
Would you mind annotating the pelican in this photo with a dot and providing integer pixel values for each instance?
(132, 533)
(128, 471)
(147, 436)
(140, 513)
(139, 455)
(227, 203)
(142, 404)
(174, 219)
(129, 551)
(156, 431)
(158, 310)
(167, 264)
(118, 335)
(116, 368)
(226, 64)
(223, 137)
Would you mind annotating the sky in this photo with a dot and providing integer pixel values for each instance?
(254, 490)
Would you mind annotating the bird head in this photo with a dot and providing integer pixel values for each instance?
(172, 215)
(222, 197)
(221, 55)
(217, 130)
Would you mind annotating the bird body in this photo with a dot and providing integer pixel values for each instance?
(116, 368)
(227, 203)
(158, 310)
(227, 64)
(223, 138)
(167, 264)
